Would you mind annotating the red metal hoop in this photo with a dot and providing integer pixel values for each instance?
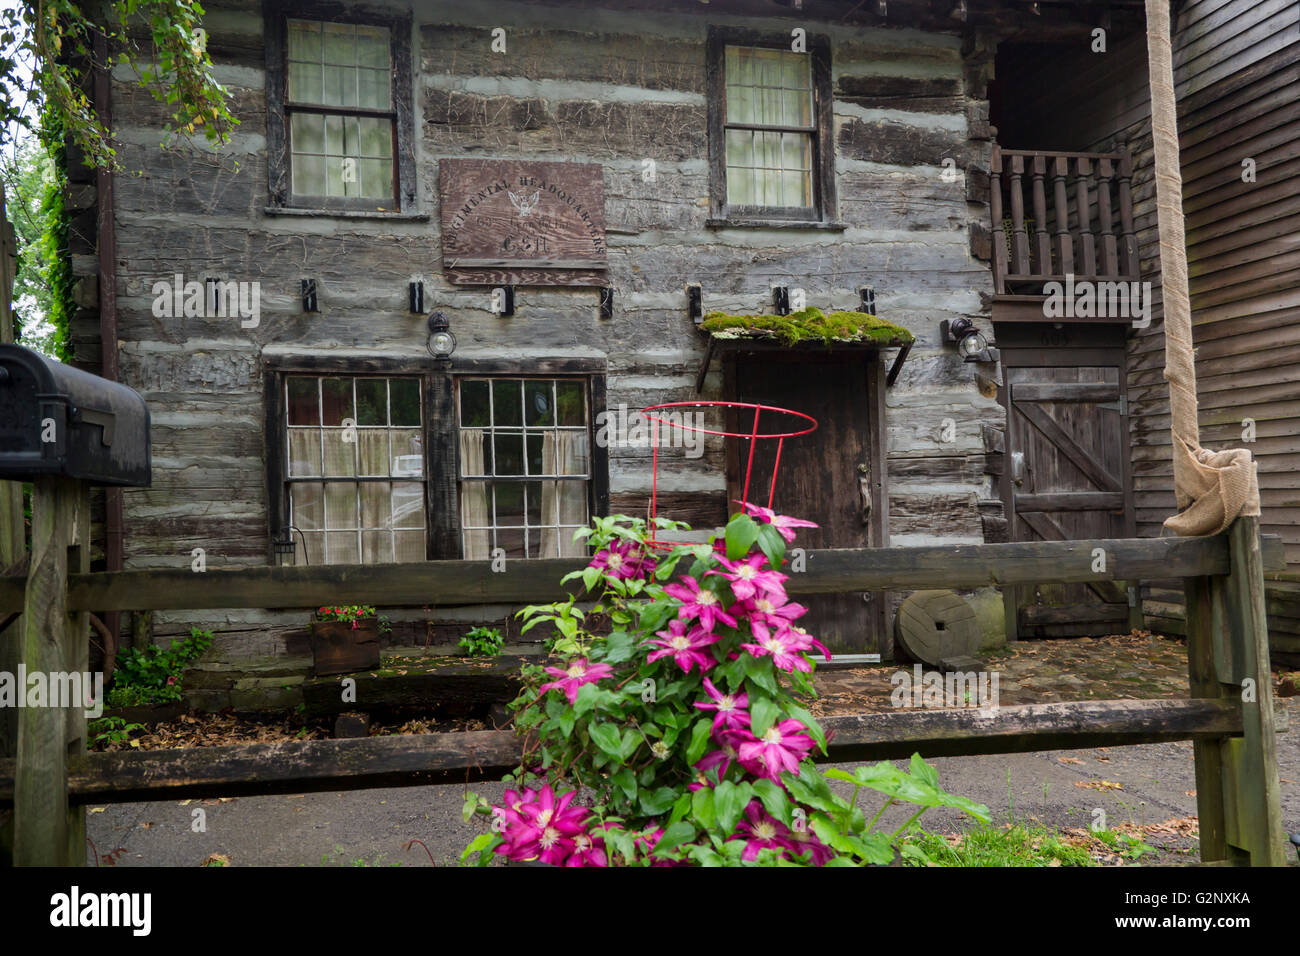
(753, 435)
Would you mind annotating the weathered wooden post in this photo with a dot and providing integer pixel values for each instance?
(47, 831)
(63, 429)
(1238, 795)
(13, 534)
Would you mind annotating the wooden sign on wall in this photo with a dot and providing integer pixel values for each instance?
(515, 222)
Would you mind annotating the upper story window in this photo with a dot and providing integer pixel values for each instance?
(340, 110)
(770, 146)
(770, 131)
(339, 124)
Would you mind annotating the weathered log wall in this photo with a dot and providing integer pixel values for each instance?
(584, 85)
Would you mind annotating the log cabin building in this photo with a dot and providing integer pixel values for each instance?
(574, 186)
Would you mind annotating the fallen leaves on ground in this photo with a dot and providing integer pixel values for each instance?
(1098, 785)
(215, 730)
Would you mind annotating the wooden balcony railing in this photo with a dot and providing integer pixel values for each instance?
(1069, 227)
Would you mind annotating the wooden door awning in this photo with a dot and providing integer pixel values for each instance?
(808, 332)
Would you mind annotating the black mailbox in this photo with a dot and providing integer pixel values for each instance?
(59, 420)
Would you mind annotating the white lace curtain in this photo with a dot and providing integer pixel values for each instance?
(562, 502)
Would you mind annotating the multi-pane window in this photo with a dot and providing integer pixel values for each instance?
(355, 469)
(770, 128)
(525, 466)
(340, 110)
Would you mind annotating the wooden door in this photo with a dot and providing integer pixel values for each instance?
(826, 477)
(1066, 478)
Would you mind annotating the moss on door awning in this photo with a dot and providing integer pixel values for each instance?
(808, 325)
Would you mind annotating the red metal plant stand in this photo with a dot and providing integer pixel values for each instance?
(753, 435)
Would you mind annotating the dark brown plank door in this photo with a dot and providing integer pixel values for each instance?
(1066, 448)
(818, 477)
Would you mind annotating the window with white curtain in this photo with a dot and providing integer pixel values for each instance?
(770, 128)
(342, 124)
(525, 466)
(355, 471)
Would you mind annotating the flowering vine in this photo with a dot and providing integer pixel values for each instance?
(677, 709)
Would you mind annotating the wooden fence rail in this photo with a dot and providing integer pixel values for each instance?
(1230, 717)
(412, 760)
(474, 582)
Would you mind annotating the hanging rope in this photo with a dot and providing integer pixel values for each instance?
(1212, 488)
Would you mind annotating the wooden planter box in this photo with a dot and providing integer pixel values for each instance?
(338, 648)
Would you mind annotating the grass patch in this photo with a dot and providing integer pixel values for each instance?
(1013, 844)
(807, 325)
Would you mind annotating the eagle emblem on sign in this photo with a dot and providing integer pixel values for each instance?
(524, 204)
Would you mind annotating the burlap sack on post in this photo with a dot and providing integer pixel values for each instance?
(1212, 488)
(1221, 485)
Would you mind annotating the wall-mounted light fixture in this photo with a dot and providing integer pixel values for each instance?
(971, 344)
(441, 340)
(282, 545)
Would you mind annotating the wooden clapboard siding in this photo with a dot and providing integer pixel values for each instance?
(1237, 66)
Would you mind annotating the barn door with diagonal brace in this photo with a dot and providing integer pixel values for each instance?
(1066, 479)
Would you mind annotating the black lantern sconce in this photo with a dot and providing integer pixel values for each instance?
(971, 344)
(283, 546)
(442, 342)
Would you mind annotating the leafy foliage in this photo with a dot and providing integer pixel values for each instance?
(110, 730)
(161, 41)
(483, 642)
(152, 675)
(685, 727)
(347, 613)
(33, 183)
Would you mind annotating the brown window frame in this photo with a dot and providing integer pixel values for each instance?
(279, 109)
(823, 210)
(440, 411)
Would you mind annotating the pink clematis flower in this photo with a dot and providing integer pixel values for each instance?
(785, 655)
(762, 832)
(781, 747)
(747, 577)
(587, 851)
(623, 559)
(719, 760)
(804, 841)
(801, 640)
(572, 678)
(782, 523)
(773, 610)
(549, 827)
(686, 648)
(699, 602)
(729, 709)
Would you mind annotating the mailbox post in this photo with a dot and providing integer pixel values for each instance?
(63, 430)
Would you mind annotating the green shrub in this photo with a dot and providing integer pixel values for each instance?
(152, 675)
(483, 642)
